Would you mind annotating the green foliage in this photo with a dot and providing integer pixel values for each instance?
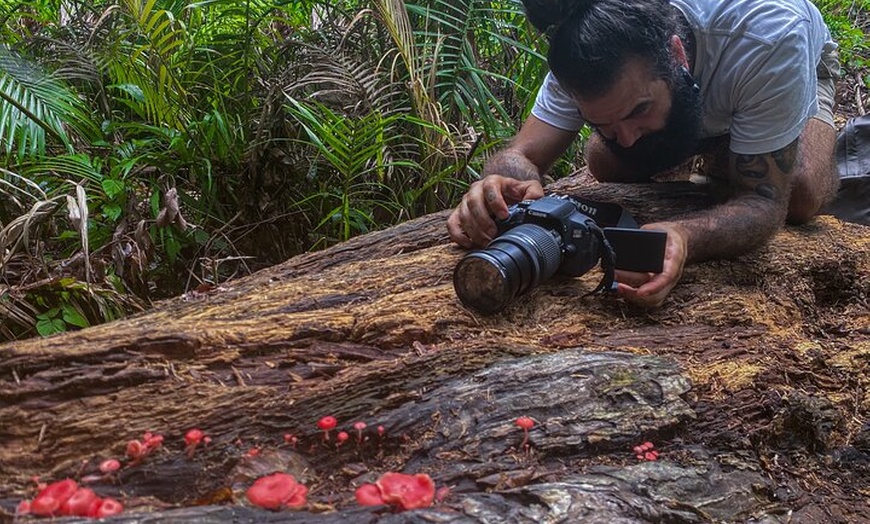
(848, 22)
(34, 106)
(59, 305)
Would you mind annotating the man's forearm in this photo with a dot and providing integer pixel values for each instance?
(730, 229)
(512, 164)
(753, 215)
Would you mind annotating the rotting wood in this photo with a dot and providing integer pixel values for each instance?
(370, 329)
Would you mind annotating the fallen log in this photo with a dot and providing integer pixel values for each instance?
(750, 380)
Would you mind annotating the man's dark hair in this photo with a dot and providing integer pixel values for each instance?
(590, 40)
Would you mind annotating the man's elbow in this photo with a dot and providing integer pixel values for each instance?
(803, 206)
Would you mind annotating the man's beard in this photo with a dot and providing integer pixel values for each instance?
(677, 141)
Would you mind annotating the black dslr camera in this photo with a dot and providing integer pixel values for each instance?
(554, 234)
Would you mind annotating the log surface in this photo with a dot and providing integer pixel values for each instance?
(750, 381)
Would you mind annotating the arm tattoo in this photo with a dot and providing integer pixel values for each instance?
(756, 210)
(752, 166)
(786, 158)
(759, 167)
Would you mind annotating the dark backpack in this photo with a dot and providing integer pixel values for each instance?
(852, 203)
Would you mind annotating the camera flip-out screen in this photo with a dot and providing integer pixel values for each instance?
(640, 250)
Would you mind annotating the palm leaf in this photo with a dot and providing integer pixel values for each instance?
(35, 109)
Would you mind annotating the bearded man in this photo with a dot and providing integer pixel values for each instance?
(749, 84)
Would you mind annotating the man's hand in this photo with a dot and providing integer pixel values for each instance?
(472, 224)
(650, 289)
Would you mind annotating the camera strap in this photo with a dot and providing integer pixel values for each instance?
(605, 214)
(608, 263)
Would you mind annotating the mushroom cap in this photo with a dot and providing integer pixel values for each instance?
(276, 490)
(49, 500)
(369, 495)
(525, 422)
(23, 508)
(407, 491)
(110, 465)
(298, 498)
(79, 503)
(153, 442)
(193, 437)
(326, 423)
(109, 507)
(136, 450)
(359, 426)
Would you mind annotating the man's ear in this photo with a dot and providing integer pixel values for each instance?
(679, 51)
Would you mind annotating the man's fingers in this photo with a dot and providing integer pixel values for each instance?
(457, 234)
(527, 190)
(492, 189)
(632, 278)
(473, 222)
(635, 296)
(474, 218)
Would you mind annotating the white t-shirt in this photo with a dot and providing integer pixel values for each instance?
(755, 61)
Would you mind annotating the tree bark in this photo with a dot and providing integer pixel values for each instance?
(749, 381)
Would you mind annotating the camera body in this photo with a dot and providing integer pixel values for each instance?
(578, 243)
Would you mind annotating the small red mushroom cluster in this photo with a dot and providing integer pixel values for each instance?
(398, 489)
(66, 498)
(137, 450)
(646, 451)
(277, 491)
(274, 492)
(327, 424)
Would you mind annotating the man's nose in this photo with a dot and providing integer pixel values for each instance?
(627, 134)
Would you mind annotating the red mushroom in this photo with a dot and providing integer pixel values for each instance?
(277, 490)
(192, 439)
(407, 491)
(23, 508)
(341, 438)
(327, 423)
(107, 468)
(442, 493)
(136, 451)
(50, 498)
(107, 508)
(369, 495)
(79, 503)
(152, 441)
(110, 466)
(298, 498)
(359, 427)
(526, 424)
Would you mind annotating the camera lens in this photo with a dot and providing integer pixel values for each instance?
(487, 280)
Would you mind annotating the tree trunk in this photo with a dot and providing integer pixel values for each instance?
(749, 381)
